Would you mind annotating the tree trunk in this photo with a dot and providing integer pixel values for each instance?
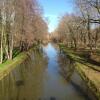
(1, 52)
(11, 47)
(89, 33)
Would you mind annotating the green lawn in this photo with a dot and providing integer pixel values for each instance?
(8, 65)
(18, 58)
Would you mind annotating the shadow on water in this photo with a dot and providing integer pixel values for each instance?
(45, 75)
(69, 72)
(25, 81)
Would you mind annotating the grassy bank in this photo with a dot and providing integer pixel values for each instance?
(6, 67)
(89, 72)
(9, 65)
(81, 57)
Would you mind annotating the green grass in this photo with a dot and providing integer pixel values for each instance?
(16, 51)
(90, 76)
(9, 65)
(90, 73)
(17, 58)
(80, 57)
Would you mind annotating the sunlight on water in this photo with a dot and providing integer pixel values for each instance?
(40, 78)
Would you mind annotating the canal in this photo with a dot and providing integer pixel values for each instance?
(45, 75)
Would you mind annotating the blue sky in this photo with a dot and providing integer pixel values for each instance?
(55, 8)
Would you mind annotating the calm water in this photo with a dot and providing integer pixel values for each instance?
(45, 75)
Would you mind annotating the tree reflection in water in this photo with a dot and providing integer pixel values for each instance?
(68, 71)
(25, 82)
(38, 78)
(66, 66)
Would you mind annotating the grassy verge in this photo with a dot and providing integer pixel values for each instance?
(81, 57)
(91, 77)
(90, 73)
(9, 65)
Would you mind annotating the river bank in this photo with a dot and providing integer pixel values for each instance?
(89, 72)
(9, 65)
(39, 77)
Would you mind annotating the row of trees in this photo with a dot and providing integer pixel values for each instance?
(21, 25)
(81, 29)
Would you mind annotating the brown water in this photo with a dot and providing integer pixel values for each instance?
(41, 77)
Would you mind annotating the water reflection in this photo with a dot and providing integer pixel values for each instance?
(66, 66)
(68, 71)
(40, 77)
(26, 81)
(56, 87)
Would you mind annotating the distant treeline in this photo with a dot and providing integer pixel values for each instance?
(21, 26)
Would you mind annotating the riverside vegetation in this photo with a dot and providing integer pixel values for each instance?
(78, 35)
(21, 27)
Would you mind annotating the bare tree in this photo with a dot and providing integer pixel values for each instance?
(21, 22)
